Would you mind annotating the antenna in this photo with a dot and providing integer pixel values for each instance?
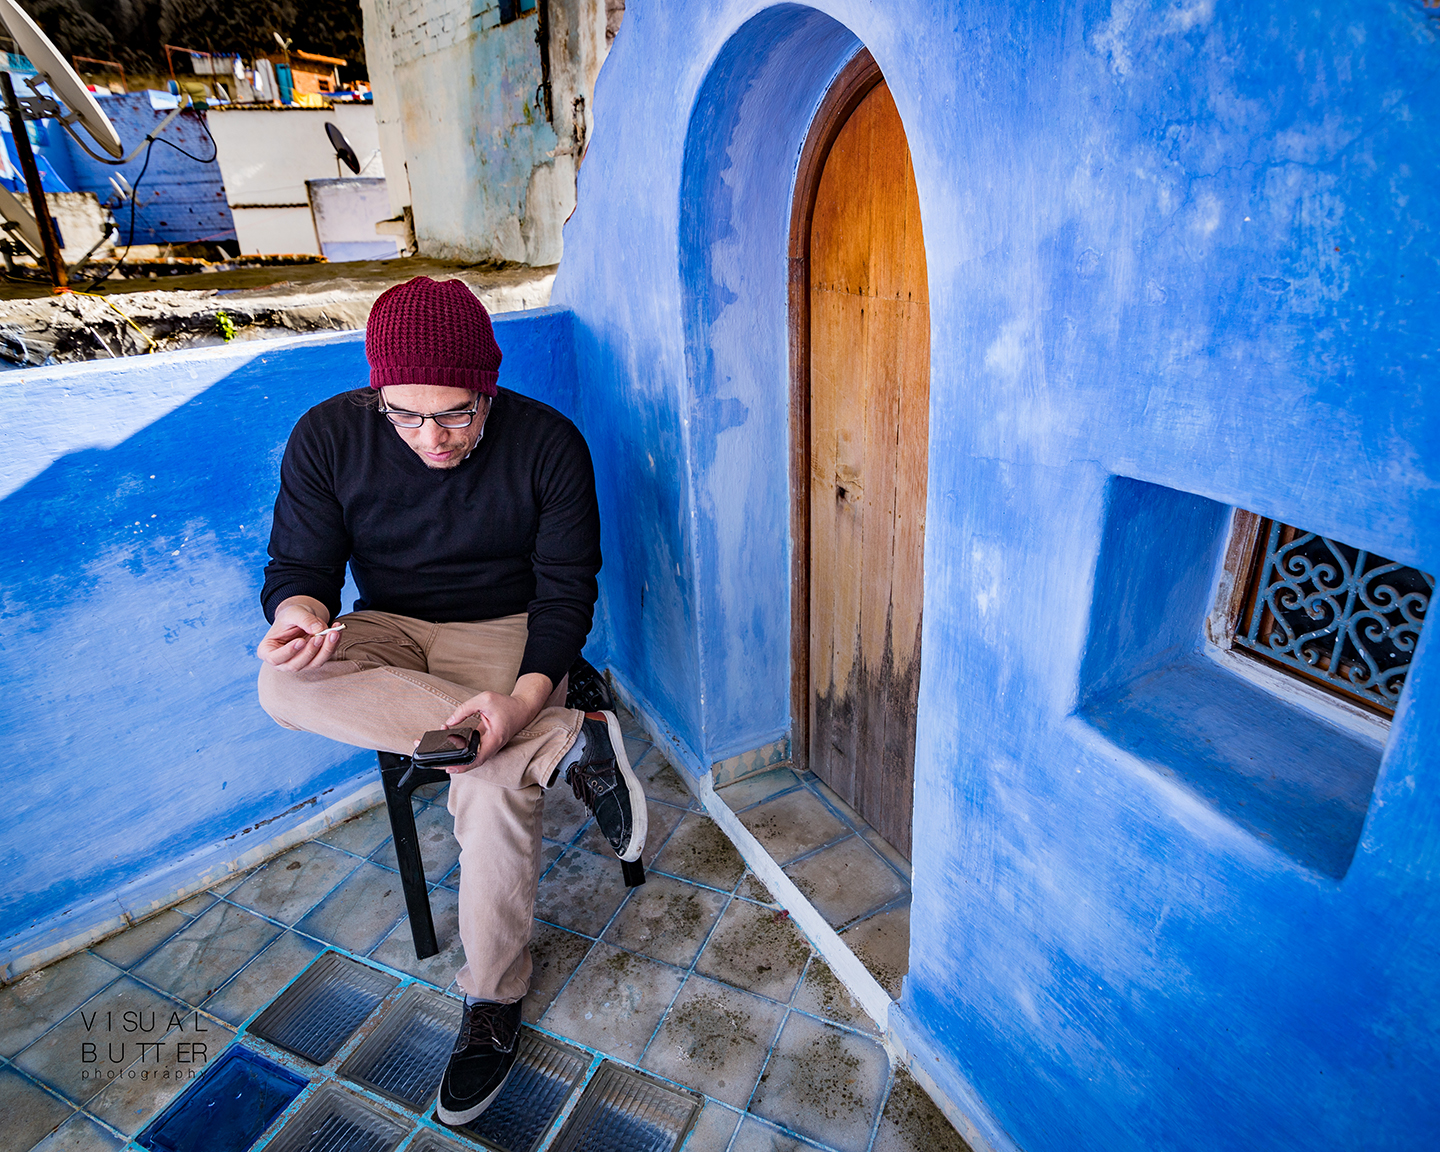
(343, 151)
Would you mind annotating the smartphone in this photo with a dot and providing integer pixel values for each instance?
(446, 747)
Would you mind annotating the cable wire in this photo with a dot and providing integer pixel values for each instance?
(135, 190)
(134, 199)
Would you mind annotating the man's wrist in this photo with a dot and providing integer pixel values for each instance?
(298, 607)
(532, 690)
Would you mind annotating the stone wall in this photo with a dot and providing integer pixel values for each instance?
(487, 176)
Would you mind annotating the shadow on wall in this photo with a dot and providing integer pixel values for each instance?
(132, 611)
(135, 753)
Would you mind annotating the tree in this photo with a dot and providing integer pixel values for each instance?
(75, 31)
(134, 31)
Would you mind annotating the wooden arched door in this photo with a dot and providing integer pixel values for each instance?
(862, 351)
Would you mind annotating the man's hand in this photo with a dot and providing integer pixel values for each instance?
(292, 643)
(499, 716)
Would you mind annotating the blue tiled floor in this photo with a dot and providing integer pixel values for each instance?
(857, 881)
(696, 977)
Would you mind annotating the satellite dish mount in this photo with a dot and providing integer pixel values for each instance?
(49, 239)
(68, 91)
(343, 152)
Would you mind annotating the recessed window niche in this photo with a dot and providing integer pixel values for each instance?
(1286, 772)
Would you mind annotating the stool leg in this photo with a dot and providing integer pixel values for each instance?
(393, 770)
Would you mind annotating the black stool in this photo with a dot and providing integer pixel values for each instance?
(400, 778)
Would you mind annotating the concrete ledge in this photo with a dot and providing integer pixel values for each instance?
(863, 986)
(77, 928)
(843, 962)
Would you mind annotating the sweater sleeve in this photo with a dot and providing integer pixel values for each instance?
(309, 544)
(566, 559)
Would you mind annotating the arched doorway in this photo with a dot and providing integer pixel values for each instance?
(859, 433)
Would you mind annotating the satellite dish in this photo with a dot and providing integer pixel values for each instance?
(67, 86)
(343, 151)
(18, 220)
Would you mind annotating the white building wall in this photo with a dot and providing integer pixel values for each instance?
(489, 178)
(390, 127)
(266, 155)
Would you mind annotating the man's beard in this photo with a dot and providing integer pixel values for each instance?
(444, 465)
(454, 461)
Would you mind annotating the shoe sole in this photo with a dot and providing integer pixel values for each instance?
(639, 813)
(460, 1119)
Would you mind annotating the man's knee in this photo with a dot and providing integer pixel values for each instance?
(483, 809)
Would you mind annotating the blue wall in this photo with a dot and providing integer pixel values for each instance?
(1181, 258)
(180, 199)
(133, 522)
(48, 144)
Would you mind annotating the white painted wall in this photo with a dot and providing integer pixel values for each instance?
(487, 176)
(81, 219)
(389, 124)
(267, 155)
(282, 230)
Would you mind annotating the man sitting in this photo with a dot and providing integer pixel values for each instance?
(467, 515)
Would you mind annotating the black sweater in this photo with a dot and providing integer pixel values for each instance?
(513, 528)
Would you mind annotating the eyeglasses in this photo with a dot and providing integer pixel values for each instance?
(459, 418)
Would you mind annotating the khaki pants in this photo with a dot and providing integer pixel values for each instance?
(393, 678)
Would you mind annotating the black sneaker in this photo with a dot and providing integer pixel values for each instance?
(484, 1054)
(604, 783)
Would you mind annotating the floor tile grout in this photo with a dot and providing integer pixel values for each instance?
(75, 1109)
(83, 1105)
(894, 905)
(687, 972)
(880, 1115)
(811, 853)
(860, 827)
(789, 1008)
(787, 1005)
(854, 828)
(805, 781)
(119, 974)
(690, 971)
(788, 790)
(601, 935)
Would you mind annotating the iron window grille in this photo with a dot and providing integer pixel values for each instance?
(1327, 612)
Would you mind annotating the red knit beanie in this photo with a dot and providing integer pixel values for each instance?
(432, 332)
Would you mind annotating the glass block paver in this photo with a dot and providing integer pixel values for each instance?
(685, 1009)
